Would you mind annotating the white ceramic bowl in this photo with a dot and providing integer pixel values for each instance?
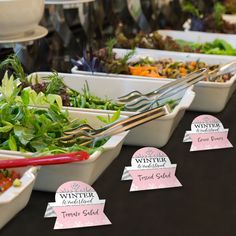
(210, 96)
(154, 133)
(19, 17)
(51, 177)
(199, 37)
(230, 18)
(15, 199)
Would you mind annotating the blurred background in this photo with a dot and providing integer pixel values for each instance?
(73, 28)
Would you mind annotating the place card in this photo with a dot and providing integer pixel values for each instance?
(150, 169)
(77, 205)
(207, 132)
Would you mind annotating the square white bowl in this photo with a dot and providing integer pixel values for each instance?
(15, 199)
(51, 177)
(210, 96)
(154, 133)
(198, 36)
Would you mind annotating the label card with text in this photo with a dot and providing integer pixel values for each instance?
(150, 169)
(77, 205)
(207, 132)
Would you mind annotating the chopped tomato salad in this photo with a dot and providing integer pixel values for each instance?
(9, 178)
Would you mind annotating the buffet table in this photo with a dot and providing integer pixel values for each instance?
(205, 205)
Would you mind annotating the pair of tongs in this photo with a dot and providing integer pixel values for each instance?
(137, 101)
(45, 160)
(85, 134)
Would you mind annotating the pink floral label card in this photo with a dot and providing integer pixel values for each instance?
(76, 205)
(207, 132)
(150, 169)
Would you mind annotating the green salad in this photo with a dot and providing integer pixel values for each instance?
(157, 41)
(52, 89)
(29, 129)
(218, 46)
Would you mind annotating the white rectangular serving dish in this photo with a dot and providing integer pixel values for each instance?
(51, 177)
(155, 133)
(230, 18)
(199, 37)
(210, 96)
(15, 199)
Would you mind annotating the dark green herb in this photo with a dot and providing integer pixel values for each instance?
(219, 10)
(13, 63)
(110, 44)
(190, 8)
(54, 84)
(127, 56)
(118, 65)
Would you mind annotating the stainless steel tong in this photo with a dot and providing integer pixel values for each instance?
(85, 134)
(136, 101)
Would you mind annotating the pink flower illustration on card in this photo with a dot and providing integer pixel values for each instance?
(207, 132)
(77, 205)
(150, 169)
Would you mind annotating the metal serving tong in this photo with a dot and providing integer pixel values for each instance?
(45, 160)
(227, 68)
(85, 134)
(136, 101)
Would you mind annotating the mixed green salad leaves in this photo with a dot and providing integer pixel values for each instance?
(157, 41)
(29, 129)
(52, 89)
(218, 46)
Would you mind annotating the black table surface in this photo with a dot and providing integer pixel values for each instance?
(205, 205)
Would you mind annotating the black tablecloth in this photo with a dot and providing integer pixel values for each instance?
(205, 205)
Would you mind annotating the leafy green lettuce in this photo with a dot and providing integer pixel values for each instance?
(30, 129)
